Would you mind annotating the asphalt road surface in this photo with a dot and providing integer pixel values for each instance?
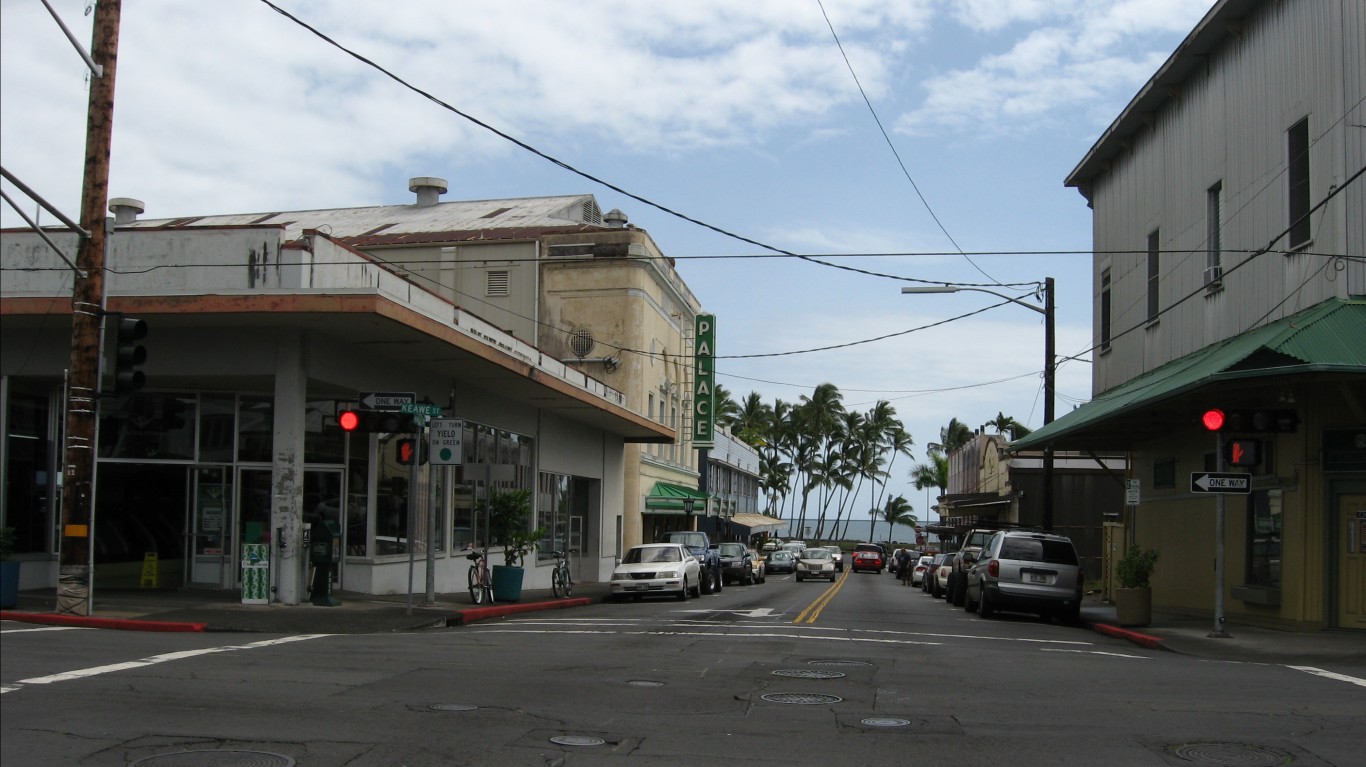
(863, 671)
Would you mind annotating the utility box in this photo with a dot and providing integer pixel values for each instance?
(324, 553)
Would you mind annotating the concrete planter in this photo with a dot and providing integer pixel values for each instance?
(1134, 607)
(507, 583)
(9, 585)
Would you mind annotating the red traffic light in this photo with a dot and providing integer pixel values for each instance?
(1213, 419)
(348, 419)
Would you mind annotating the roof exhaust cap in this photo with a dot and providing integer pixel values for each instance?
(125, 209)
(615, 219)
(428, 189)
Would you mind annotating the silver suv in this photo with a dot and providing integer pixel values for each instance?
(1026, 571)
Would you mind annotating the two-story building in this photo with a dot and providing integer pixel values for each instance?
(1229, 216)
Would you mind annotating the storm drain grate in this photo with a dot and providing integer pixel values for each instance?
(644, 683)
(452, 707)
(838, 663)
(1232, 754)
(577, 740)
(216, 758)
(801, 698)
(806, 673)
(885, 722)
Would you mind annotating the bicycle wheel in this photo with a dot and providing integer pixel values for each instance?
(477, 587)
(557, 583)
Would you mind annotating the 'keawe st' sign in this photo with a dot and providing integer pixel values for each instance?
(704, 381)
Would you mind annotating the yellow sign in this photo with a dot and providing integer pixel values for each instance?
(76, 531)
(149, 570)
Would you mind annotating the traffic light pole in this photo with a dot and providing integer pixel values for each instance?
(87, 320)
(1218, 631)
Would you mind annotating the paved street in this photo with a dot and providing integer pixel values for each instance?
(858, 672)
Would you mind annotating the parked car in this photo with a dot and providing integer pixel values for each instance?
(1026, 571)
(736, 564)
(940, 587)
(868, 556)
(922, 566)
(796, 547)
(972, 546)
(770, 545)
(760, 566)
(781, 561)
(657, 568)
(838, 556)
(815, 563)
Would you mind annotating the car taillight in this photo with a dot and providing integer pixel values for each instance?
(994, 568)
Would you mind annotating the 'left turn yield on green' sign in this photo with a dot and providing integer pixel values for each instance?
(446, 439)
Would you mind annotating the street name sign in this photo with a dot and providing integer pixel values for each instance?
(1217, 482)
(418, 408)
(386, 400)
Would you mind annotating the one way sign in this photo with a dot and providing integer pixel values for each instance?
(1215, 482)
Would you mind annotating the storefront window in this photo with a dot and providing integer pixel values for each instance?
(148, 426)
(358, 496)
(255, 429)
(217, 419)
(324, 440)
(492, 459)
(1264, 539)
(28, 482)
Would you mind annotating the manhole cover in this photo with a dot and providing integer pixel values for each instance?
(576, 740)
(452, 707)
(644, 683)
(806, 673)
(838, 663)
(885, 722)
(216, 759)
(1232, 754)
(801, 698)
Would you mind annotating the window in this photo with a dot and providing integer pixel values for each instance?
(1214, 233)
(1297, 177)
(150, 426)
(497, 283)
(1154, 275)
(1164, 473)
(1105, 311)
(1264, 539)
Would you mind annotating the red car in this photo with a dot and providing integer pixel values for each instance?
(867, 559)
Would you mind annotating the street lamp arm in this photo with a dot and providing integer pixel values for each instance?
(956, 288)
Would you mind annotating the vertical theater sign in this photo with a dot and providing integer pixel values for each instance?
(704, 381)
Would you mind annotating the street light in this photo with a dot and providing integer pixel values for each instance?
(1049, 368)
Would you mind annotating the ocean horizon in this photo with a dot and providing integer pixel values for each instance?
(857, 530)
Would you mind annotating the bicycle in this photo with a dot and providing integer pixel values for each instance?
(481, 586)
(560, 582)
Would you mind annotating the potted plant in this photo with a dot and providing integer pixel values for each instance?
(9, 571)
(509, 515)
(1134, 594)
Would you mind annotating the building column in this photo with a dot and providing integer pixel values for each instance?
(287, 470)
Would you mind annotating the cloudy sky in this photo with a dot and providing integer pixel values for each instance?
(747, 115)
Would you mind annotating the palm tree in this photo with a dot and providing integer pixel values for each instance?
(933, 474)
(897, 511)
(726, 411)
(951, 437)
(1004, 424)
(752, 423)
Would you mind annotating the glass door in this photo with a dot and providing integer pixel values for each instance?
(253, 513)
(211, 528)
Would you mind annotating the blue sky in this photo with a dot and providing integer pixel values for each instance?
(744, 115)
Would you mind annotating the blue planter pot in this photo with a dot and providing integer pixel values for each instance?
(9, 585)
(507, 583)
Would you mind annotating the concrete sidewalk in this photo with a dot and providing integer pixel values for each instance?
(367, 614)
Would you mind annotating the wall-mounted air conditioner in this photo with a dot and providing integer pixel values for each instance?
(1214, 276)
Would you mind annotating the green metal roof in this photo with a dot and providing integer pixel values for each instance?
(668, 497)
(1326, 338)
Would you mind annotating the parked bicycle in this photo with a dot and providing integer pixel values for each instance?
(481, 585)
(560, 582)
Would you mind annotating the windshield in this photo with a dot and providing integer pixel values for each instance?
(815, 554)
(652, 554)
(732, 550)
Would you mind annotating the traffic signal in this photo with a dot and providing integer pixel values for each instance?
(405, 451)
(129, 354)
(367, 421)
(1266, 421)
(1243, 451)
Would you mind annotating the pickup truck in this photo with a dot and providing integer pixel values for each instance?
(710, 559)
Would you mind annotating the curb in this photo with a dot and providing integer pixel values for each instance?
(1143, 640)
(471, 615)
(119, 624)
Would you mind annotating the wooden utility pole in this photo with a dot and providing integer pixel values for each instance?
(87, 321)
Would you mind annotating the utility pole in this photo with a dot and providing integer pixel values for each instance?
(87, 321)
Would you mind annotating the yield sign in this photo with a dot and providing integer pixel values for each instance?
(1218, 482)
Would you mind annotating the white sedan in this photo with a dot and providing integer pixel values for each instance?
(657, 568)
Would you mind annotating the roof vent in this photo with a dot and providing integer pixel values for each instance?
(125, 210)
(615, 219)
(428, 189)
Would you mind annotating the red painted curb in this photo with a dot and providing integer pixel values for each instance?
(1144, 640)
(497, 611)
(119, 624)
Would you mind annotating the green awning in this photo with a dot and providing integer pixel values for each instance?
(667, 498)
(1324, 339)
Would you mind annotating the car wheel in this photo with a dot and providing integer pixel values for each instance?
(683, 592)
(748, 578)
(968, 604)
(956, 590)
(697, 590)
(720, 582)
(988, 606)
(1071, 614)
(709, 582)
(799, 577)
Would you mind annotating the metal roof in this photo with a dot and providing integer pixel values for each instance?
(1325, 338)
(410, 224)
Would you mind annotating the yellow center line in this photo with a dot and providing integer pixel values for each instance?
(813, 611)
